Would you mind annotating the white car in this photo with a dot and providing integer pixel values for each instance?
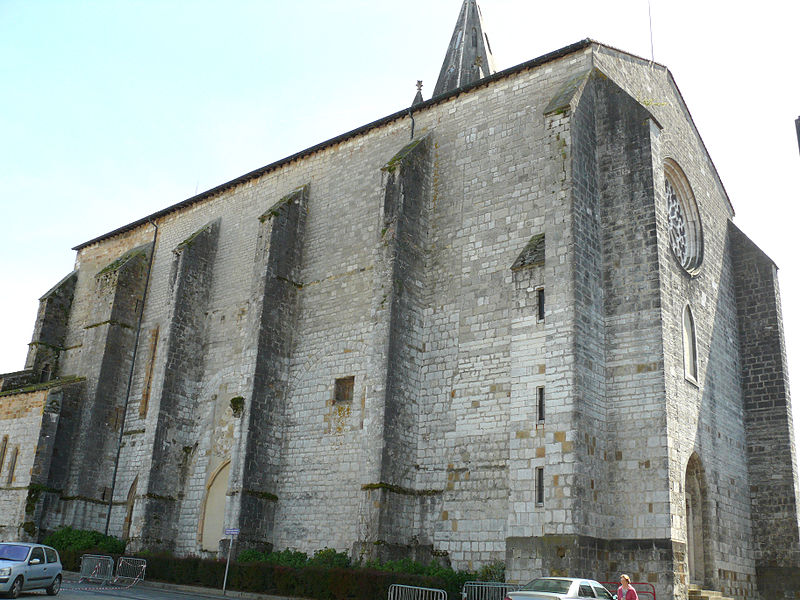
(560, 588)
(28, 567)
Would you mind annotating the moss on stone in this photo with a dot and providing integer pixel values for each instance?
(129, 255)
(397, 159)
(187, 243)
(35, 491)
(275, 209)
(261, 495)
(152, 496)
(237, 406)
(133, 432)
(399, 490)
(110, 322)
(37, 387)
(532, 254)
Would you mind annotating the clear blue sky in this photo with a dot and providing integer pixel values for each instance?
(112, 109)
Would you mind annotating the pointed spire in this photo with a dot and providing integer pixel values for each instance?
(469, 55)
(418, 98)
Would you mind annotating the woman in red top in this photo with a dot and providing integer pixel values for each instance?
(625, 591)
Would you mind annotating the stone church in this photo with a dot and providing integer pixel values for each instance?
(513, 322)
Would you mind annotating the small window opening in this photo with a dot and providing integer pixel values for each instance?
(539, 485)
(3, 446)
(343, 390)
(148, 377)
(540, 403)
(474, 38)
(12, 464)
(689, 345)
(44, 376)
(540, 304)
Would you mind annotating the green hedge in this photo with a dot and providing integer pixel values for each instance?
(320, 583)
(328, 575)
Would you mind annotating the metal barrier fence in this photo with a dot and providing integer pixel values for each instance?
(646, 591)
(487, 590)
(408, 592)
(96, 568)
(130, 570)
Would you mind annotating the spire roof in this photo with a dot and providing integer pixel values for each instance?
(469, 55)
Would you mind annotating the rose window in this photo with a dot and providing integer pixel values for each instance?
(685, 231)
(677, 224)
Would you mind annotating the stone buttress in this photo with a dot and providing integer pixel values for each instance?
(768, 419)
(256, 477)
(175, 438)
(392, 499)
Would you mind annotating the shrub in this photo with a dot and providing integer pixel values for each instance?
(68, 538)
(328, 558)
(495, 571)
(287, 558)
(250, 555)
(328, 575)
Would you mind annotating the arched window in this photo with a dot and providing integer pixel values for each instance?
(689, 345)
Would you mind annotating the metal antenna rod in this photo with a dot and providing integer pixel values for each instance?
(650, 17)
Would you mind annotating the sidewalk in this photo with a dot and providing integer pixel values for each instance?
(72, 577)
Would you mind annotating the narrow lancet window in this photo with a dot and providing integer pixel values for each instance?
(689, 345)
(540, 485)
(540, 404)
(540, 304)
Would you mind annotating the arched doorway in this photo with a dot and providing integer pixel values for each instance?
(697, 523)
(126, 525)
(212, 522)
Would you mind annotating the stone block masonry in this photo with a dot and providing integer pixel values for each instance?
(771, 454)
(278, 260)
(34, 420)
(175, 434)
(462, 339)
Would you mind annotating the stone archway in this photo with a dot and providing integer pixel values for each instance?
(697, 523)
(213, 517)
(126, 525)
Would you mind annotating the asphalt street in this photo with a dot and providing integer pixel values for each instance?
(73, 590)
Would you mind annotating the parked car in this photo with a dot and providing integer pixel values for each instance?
(28, 567)
(560, 588)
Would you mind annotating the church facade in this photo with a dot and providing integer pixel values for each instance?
(514, 322)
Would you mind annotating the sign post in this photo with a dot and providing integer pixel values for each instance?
(233, 533)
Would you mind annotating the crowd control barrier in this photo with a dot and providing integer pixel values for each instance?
(96, 568)
(409, 592)
(130, 570)
(487, 590)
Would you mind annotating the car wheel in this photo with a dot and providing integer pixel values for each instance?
(16, 588)
(53, 588)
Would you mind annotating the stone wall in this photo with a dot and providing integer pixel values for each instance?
(31, 428)
(178, 415)
(354, 335)
(49, 332)
(771, 455)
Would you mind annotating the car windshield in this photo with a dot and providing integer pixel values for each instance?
(13, 552)
(602, 592)
(554, 586)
